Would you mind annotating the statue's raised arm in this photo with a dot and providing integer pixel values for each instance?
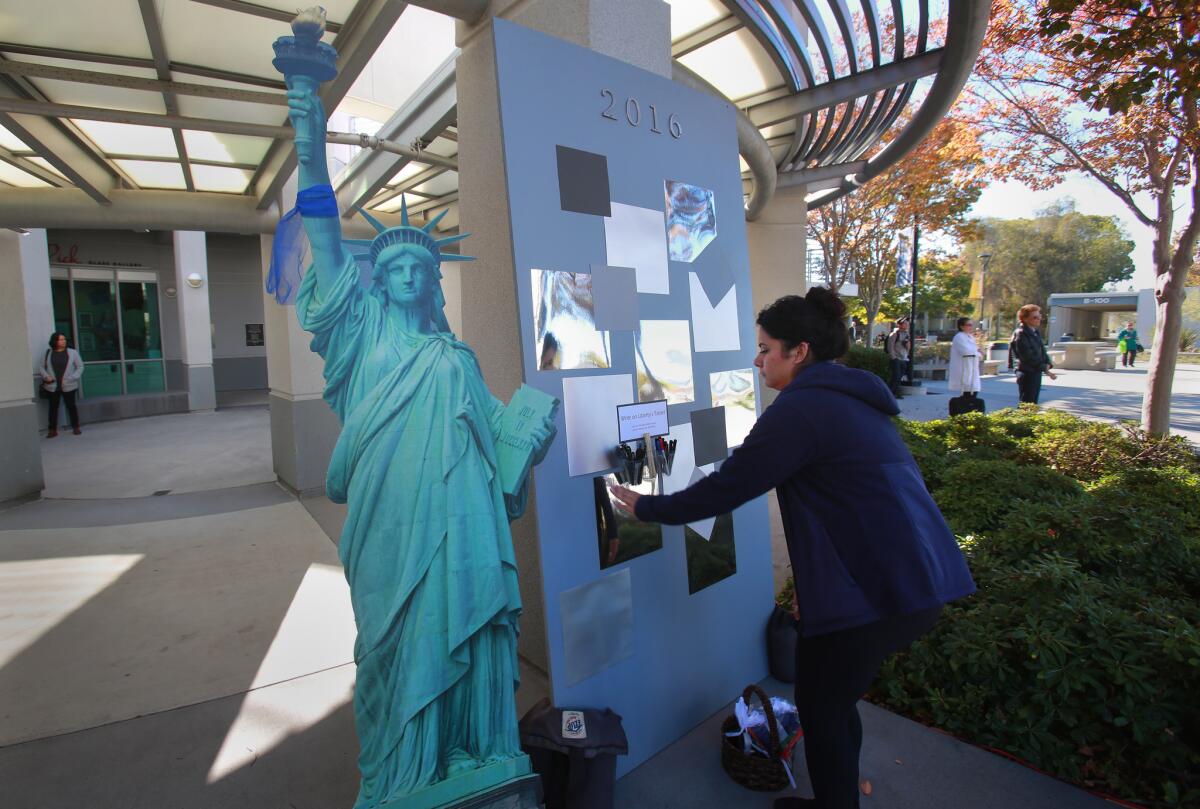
(306, 62)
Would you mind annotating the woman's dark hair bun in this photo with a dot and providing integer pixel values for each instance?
(827, 302)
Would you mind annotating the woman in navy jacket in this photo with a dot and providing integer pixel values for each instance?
(872, 557)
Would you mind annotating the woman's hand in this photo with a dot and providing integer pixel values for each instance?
(1051, 374)
(542, 436)
(626, 499)
(47, 379)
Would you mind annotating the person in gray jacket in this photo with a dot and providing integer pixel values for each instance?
(61, 370)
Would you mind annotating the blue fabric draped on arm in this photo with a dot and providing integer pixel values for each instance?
(289, 253)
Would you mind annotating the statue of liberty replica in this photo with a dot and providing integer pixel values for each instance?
(421, 462)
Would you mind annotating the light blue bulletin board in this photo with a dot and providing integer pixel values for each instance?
(679, 655)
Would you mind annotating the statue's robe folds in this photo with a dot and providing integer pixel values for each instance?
(426, 545)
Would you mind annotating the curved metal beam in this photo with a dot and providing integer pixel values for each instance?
(965, 29)
(751, 144)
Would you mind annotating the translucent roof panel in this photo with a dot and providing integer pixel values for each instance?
(112, 27)
(417, 44)
(221, 109)
(692, 15)
(225, 148)
(14, 176)
(95, 95)
(220, 178)
(11, 142)
(735, 64)
(409, 170)
(242, 42)
(154, 173)
(439, 185)
(130, 139)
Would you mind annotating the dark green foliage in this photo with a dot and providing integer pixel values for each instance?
(1081, 651)
(869, 359)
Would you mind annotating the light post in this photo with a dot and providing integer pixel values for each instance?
(986, 259)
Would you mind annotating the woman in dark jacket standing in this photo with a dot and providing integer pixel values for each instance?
(1029, 353)
(61, 371)
(873, 559)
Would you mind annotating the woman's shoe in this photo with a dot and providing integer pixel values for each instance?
(76, 430)
(52, 434)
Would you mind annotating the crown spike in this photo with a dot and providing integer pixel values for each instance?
(452, 239)
(404, 211)
(456, 257)
(375, 223)
(433, 222)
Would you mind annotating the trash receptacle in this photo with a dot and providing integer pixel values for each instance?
(998, 351)
(575, 753)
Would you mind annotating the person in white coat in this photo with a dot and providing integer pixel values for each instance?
(963, 374)
(61, 371)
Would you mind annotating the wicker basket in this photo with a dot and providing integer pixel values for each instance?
(755, 772)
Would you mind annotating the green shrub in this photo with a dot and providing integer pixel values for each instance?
(868, 359)
(1080, 652)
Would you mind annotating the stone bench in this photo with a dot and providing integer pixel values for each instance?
(930, 370)
(989, 368)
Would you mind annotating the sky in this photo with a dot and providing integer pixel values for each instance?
(1014, 200)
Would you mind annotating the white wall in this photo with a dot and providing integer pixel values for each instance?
(235, 293)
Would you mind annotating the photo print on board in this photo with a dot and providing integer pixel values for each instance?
(734, 390)
(582, 181)
(597, 624)
(564, 325)
(621, 536)
(663, 357)
(635, 237)
(590, 413)
(713, 558)
(691, 220)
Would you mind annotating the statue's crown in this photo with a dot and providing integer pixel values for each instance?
(410, 234)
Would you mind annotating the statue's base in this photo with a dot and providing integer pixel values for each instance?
(507, 784)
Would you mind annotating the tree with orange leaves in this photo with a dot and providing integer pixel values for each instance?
(1108, 88)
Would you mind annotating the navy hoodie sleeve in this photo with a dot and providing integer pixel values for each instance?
(779, 444)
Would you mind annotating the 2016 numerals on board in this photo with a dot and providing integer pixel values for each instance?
(633, 115)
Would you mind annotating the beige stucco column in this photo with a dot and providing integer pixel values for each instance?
(634, 31)
(20, 416)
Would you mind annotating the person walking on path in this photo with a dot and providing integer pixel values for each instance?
(1127, 344)
(1029, 353)
(896, 346)
(61, 371)
(963, 374)
(872, 557)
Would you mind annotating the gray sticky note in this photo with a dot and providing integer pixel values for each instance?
(708, 435)
(717, 279)
(614, 298)
(597, 624)
(583, 182)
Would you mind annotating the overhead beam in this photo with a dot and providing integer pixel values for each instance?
(40, 71)
(847, 88)
(28, 166)
(150, 209)
(814, 175)
(265, 12)
(45, 109)
(426, 114)
(703, 36)
(158, 50)
(469, 11)
(369, 24)
(60, 150)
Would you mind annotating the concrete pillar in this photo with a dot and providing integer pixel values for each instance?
(635, 31)
(777, 240)
(20, 451)
(39, 306)
(195, 321)
(303, 428)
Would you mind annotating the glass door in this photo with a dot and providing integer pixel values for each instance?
(141, 337)
(98, 331)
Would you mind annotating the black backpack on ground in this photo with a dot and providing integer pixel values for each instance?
(966, 404)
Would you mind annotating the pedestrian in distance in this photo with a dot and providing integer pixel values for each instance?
(1027, 351)
(61, 370)
(872, 557)
(896, 346)
(1127, 344)
(962, 377)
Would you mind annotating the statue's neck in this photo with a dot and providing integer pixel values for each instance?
(412, 320)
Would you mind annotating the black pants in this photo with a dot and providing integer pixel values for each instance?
(69, 397)
(898, 367)
(832, 673)
(1029, 385)
(1128, 357)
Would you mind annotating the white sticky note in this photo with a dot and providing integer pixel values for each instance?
(637, 237)
(590, 410)
(714, 328)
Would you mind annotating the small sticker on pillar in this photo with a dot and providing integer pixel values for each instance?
(573, 726)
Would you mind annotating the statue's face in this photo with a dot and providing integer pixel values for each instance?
(410, 277)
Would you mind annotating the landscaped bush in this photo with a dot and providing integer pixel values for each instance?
(869, 359)
(1081, 651)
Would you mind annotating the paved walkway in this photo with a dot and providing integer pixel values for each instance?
(193, 649)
